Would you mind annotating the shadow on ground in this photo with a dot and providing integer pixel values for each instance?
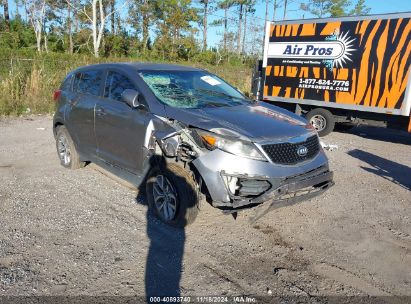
(382, 134)
(397, 173)
(165, 257)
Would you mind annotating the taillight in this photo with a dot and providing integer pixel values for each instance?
(56, 95)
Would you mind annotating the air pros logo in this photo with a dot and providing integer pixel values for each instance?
(335, 51)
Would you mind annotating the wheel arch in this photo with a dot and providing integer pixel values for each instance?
(56, 124)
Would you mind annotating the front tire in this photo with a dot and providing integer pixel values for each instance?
(322, 120)
(172, 195)
(66, 150)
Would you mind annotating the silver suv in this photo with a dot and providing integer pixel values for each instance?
(183, 134)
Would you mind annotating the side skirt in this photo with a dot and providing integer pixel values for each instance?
(124, 177)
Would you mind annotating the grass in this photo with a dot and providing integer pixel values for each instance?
(27, 81)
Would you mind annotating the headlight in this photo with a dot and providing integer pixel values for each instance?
(234, 146)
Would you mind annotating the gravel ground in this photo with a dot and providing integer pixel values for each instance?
(79, 232)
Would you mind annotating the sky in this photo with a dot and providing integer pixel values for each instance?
(293, 12)
(377, 7)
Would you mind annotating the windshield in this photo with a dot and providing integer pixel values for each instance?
(192, 89)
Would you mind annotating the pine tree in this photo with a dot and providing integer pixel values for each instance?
(327, 8)
(360, 9)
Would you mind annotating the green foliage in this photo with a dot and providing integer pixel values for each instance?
(117, 45)
(360, 9)
(207, 57)
(28, 79)
(157, 31)
(334, 8)
(175, 31)
(338, 8)
(19, 36)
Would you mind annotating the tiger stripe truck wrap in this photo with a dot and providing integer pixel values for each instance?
(352, 63)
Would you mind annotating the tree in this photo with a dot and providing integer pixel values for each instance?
(6, 13)
(338, 8)
(142, 16)
(244, 7)
(174, 27)
(360, 9)
(69, 26)
(224, 5)
(36, 13)
(275, 7)
(97, 30)
(240, 4)
(97, 21)
(147, 18)
(113, 17)
(329, 8)
(285, 9)
(53, 22)
(248, 8)
(204, 21)
(254, 38)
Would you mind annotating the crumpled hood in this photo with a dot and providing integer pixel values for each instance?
(259, 122)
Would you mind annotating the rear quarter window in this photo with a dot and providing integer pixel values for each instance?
(66, 85)
(88, 82)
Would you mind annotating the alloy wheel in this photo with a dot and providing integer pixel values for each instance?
(165, 198)
(64, 150)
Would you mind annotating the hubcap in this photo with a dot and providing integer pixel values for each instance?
(319, 122)
(64, 150)
(165, 198)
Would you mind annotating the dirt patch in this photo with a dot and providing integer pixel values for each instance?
(77, 232)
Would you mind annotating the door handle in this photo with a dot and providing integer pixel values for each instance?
(100, 112)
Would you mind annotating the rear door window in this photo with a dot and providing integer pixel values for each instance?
(115, 85)
(88, 82)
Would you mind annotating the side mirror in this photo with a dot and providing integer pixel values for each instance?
(130, 97)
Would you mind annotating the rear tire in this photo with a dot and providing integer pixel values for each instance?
(172, 195)
(66, 150)
(322, 120)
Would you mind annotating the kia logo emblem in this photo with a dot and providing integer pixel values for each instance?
(302, 151)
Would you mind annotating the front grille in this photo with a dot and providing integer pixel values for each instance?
(286, 153)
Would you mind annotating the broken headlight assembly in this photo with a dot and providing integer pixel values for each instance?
(231, 145)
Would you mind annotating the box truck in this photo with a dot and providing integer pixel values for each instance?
(339, 71)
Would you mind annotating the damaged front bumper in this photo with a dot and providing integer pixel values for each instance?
(265, 185)
(291, 191)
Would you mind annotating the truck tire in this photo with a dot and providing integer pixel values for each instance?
(172, 195)
(322, 120)
(66, 150)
